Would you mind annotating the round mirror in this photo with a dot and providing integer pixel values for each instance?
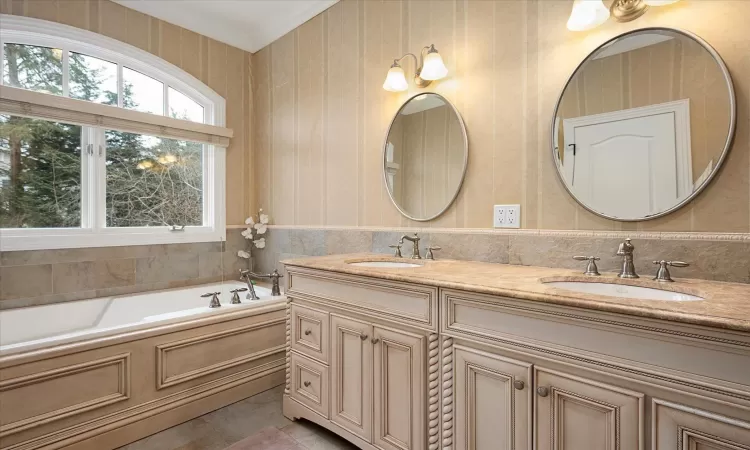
(424, 156)
(643, 124)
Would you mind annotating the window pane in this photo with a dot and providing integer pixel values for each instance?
(183, 107)
(141, 92)
(153, 181)
(92, 79)
(34, 68)
(40, 173)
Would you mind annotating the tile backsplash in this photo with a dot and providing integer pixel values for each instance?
(713, 257)
(51, 276)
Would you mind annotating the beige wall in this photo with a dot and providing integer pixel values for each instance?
(321, 113)
(676, 69)
(224, 68)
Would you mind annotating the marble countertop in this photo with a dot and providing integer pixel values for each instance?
(725, 305)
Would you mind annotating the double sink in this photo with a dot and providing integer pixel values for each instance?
(582, 287)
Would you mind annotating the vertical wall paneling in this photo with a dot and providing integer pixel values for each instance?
(508, 62)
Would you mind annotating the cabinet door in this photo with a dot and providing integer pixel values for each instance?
(492, 398)
(573, 413)
(351, 376)
(677, 426)
(399, 397)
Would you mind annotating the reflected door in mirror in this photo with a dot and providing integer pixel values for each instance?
(643, 124)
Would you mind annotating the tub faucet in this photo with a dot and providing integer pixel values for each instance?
(214, 303)
(274, 276)
(628, 268)
(236, 295)
(415, 240)
(245, 276)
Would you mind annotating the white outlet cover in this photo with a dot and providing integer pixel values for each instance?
(507, 216)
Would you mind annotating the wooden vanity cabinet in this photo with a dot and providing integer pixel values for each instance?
(524, 376)
(374, 353)
(367, 360)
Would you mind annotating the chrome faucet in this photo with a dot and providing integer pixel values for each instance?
(245, 276)
(663, 275)
(415, 240)
(236, 296)
(274, 276)
(214, 303)
(628, 268)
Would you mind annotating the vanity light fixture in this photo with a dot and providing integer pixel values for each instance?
(588, 14)
(430, 67)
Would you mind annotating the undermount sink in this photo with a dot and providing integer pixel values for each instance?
(625, 291)
(384, 264)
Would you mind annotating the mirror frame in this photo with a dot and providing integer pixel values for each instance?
(727, 144)
(463, 172)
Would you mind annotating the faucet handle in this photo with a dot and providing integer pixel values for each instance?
(429, 254)
(397, 251)
(591, 268)
(214, 303)
(236, 296)
(662, 274)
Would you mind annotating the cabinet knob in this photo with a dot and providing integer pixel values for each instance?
(308, 332)
(542, 391)
(375, 340)
(518, 384)
(363, 337)
(307, 384)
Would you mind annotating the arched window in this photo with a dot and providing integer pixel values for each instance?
(102, 143)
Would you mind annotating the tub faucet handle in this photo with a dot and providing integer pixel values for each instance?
(274, 276)
(214, 303)
(236, 296)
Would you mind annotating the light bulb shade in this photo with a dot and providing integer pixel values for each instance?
(433, 67)
(395, 81)
(587, 14)
(659, 2)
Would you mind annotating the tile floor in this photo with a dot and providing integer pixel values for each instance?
(226, 426)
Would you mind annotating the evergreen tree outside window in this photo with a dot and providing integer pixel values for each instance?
(71, 179)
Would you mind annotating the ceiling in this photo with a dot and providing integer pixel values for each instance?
(247, 24)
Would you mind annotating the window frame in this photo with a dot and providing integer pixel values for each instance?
(93, 231)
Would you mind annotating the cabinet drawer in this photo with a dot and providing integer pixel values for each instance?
(310, 328)
(406, 303)
(310, 383)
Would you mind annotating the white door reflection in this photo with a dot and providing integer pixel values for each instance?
(630, 163)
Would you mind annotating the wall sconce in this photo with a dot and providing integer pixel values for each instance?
(430, 67)
(588, 14)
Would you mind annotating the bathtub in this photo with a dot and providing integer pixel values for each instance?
(34, 327)
(98, 374)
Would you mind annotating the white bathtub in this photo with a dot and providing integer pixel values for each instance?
(34, 327)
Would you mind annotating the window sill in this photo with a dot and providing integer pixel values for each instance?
(76, 238)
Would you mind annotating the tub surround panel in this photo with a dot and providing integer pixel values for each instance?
(725, 305)
(40, 277)
(108, 392)
(721, 258)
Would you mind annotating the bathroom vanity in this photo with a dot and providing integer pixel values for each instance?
(468, 355)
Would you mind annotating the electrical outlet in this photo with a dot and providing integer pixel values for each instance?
(507, 216)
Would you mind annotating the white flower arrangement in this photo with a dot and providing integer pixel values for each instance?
(253, 233)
